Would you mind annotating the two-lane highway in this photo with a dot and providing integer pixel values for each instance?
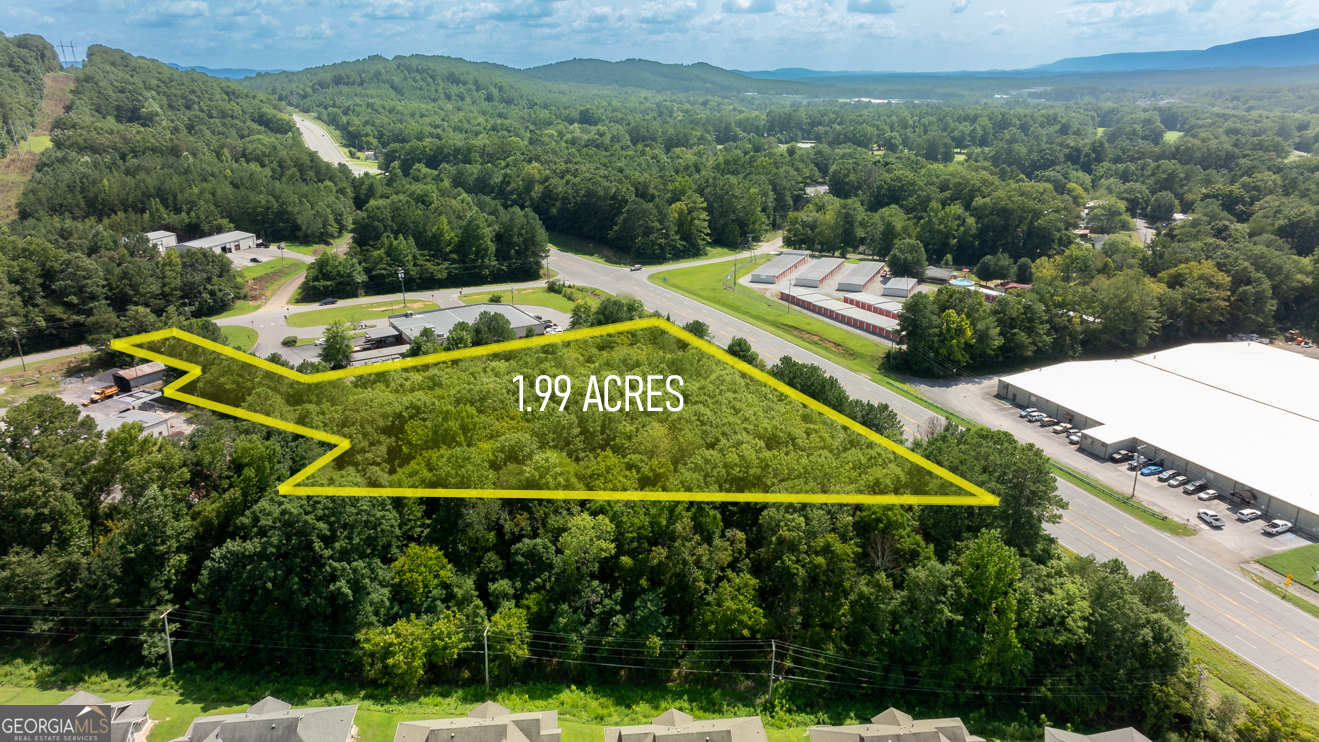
(1265, 631)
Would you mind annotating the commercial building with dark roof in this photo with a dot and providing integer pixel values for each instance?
(129, 720)
(675, 726)
(488, 722)
(273, 720)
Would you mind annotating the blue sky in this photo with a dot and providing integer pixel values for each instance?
(904, 35)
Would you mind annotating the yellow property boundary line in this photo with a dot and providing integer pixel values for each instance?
(975, 495)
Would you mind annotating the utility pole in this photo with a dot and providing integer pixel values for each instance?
(20, 350)
(773, 655)
(1201, 681)
(169, 644)
(485, 643)
(405, 289)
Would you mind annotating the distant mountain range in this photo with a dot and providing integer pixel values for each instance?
(228, 73)
(1292, 50)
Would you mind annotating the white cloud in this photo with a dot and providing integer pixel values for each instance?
(408, 10)
(169, 13)
(999, 30)
(322, 30)
(960, 5)
(667, 14)
(749, 6)
(1000, 13)
(1201, 6)
(872, 7)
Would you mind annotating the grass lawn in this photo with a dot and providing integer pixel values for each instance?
(705, 284)
(269, 280)
(1228, 671)
(355, 312)
(13, 378)
(534, 297)
(1289, 594)
(1172, 136)
(606, 255)
(257, 270)
(1301, 563)
(242, 337)
(39, 143)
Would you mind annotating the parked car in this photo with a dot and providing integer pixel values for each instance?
(554, 331)
(1177, 481)
(1169, 474)
(1137, 463)
(1207, 495)
(1026, 412)
(1246, 516)
(1036, 416)
(1074, 437)
(1210, 518)
(636, 267)
(1061, 428)
(1277, 527)
(537, 316)
(1120, 456)
(1151, 470)
(254, 259)
(320, 342)
(1048, 421)
(1195, 486)
(329, 301)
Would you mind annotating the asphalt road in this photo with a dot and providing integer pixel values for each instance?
(323, 145)
(1273, 635)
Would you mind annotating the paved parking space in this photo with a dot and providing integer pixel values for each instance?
(1236, 542)
(243, 258)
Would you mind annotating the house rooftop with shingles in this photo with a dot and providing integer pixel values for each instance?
(675, 726)
(488, 722)
(895, 726)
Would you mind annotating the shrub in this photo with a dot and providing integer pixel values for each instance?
(289, 341)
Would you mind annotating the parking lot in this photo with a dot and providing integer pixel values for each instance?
(243, 258)
(1234, 543)
(76, 390)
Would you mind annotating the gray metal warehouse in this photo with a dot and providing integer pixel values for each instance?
(860, 276)
(1242, 416)
(818, 272)
(442, 321)
(780, 267)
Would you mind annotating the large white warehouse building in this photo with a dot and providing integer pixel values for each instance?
(1243, 416)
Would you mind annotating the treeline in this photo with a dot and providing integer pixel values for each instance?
(145, 147)
(936, 601)
(24, 61)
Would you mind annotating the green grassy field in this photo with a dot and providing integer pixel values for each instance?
(1300, 563)
(704, 283)
(1289, 594)
(39, 143)
(271, 277)
(531, 297)
(606, 255)
(1172, 136)
(355, 312)
(1229, 671)
(242, 337)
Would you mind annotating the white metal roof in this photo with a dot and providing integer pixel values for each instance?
(1247, 411)
(819, 269)
(443, 320)
(860, 274)
(159, 234)
(776, 266)
(216, 240)
(886, 302)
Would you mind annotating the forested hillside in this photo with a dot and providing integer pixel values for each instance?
(24, 60)
(144, 147)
